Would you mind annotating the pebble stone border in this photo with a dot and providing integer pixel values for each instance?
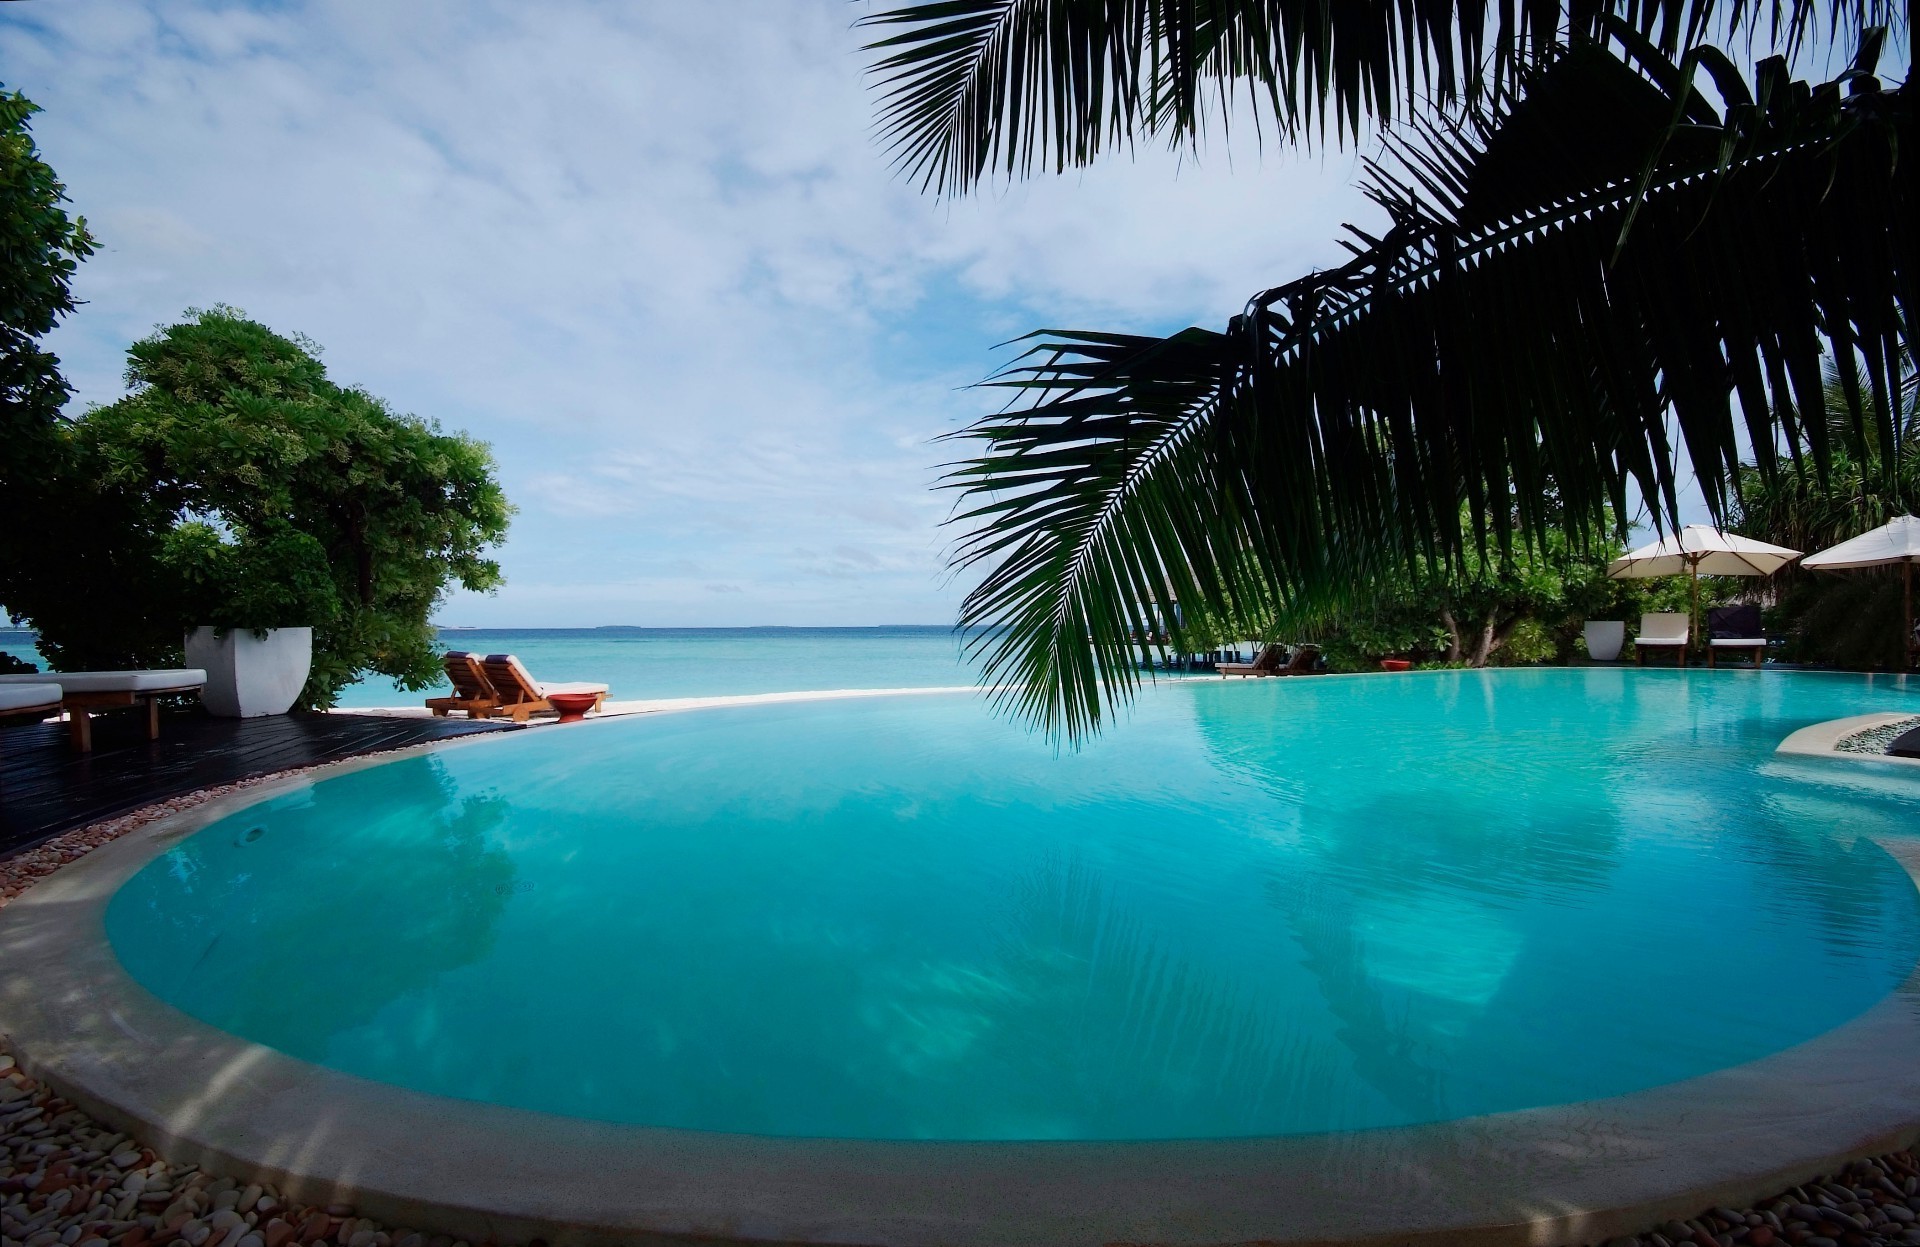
(66, 1181)
(1876, 739)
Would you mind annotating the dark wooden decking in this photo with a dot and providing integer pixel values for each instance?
(46, 788)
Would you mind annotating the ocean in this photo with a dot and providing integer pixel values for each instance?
(647, 663)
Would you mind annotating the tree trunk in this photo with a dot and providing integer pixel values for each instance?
(1483, 644)
(1453, 633)
(1493, 637)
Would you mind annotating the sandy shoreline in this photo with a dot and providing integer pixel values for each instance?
(667, 705)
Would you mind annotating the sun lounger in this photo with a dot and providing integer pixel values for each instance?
(1735, 628)
(522, 695)
(85, 693)
(1662, 632)
(28, 702)
(1266, 662)
(472, 692)
(1270, 662)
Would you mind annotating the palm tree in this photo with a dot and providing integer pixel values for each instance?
(1600, 227)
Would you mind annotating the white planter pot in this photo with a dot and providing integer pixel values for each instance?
(250, 676)
(1604, 639)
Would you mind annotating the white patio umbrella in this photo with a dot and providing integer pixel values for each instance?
(1897, 541)
(1698, 549)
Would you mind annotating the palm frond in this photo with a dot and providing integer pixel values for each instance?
(1508, 351)
(974, 88)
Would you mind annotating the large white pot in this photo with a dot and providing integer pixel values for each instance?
(249, 676)
(1604, 639)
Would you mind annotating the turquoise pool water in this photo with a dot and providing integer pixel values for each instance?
(1252, 908)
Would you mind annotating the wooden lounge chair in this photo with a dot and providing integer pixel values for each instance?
(86, 693)
(472, 691)
(522, 695)
(1662, 632)
(1735, 628)
(1269, 660)
(1300, 662)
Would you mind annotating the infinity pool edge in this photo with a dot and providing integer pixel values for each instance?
(1573, 1173)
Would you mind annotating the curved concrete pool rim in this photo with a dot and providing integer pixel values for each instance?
(1577, 1173)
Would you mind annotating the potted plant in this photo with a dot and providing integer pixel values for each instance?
(250, 671)
(1605, 637)
(265, 592)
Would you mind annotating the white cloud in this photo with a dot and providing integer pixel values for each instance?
(649, 252)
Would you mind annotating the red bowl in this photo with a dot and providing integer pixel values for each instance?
(572, 705)
(1396, 664)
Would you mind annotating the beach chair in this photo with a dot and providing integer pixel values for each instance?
(1266, 662)
(472, 692)
(1735, 629)
(86, 693)
(1304, 660)
(1662, 632)
(1270, 662)
(522, 695)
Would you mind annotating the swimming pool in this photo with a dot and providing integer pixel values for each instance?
(1252, 909)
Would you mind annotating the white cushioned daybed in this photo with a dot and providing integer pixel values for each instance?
(84, 692)
(42, 698)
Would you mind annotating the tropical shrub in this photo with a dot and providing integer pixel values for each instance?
(40, 247)
(1529, 605)
(1848, 618)
(236, 485)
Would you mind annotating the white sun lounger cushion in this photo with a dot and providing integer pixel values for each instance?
(1738, 642)
(18, 697)
(1662, 629)
(118, 681)
(545, 690)
(548, 690)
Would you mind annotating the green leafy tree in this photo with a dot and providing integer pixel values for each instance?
(243, 488)
(1600, 229)
(40, 249)
(1523, 606)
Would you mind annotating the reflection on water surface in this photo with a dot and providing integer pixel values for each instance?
(1254, 908)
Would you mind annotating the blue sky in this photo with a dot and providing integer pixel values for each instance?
(649, 252)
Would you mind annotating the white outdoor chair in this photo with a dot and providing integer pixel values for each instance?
(1662, 631)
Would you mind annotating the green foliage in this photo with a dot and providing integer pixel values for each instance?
(1568, 275)
(1842, 619)
(1528, 606)
(9, 665)
(237, 486)
(273, 576)
(40, 248)
(1845, 618)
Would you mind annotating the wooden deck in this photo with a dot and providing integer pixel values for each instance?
(47, 788)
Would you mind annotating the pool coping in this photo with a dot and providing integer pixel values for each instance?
(1577, 1173)
(1822, 740)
